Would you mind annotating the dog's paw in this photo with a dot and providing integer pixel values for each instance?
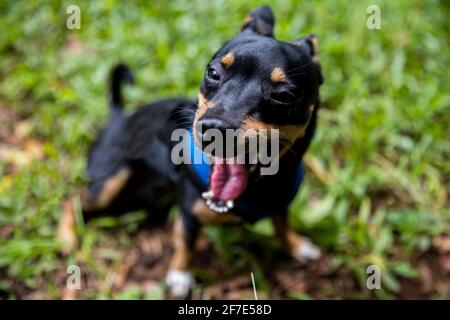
(307, 251)
(180, 283)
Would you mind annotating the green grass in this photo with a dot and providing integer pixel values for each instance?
(383, 137)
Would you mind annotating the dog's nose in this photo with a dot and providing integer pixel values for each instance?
(220, 132)
(211, 123)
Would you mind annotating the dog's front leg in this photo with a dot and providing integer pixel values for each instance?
(300, 248)
(179, 278)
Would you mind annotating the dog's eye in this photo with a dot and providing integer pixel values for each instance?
(212, 74)
(284, 97)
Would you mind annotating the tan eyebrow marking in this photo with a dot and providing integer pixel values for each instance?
(228, 59)
(278, 75)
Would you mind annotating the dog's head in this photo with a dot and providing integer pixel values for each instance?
(257, 82)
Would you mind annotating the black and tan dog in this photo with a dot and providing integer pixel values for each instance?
(252, 82)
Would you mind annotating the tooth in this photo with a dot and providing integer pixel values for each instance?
(207, 195)
(230, 204)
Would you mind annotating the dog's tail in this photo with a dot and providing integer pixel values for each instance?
(119, 74)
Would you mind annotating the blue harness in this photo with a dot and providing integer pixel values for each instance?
(202, 169)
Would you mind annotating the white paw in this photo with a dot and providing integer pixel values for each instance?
(308, 251)
(179, 282)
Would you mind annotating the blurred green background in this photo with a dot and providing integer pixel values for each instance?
(379, 172)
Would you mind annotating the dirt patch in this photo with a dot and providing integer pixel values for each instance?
(434, 279)
(145, 265)
(17, 147)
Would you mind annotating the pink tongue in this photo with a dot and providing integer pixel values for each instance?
(228, 180)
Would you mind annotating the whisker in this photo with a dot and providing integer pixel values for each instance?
(289, 72)
(285, 143)
(185, 122)
(297, 74)
(288, 148)
(299, 67)
(181, 111)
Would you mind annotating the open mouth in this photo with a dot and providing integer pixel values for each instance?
(227, 181)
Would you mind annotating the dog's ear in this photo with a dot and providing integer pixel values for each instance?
(261, 21)
(311, 45)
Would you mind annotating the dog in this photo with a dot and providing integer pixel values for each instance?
(253, 82)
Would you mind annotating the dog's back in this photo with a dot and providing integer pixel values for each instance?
(129, 165)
